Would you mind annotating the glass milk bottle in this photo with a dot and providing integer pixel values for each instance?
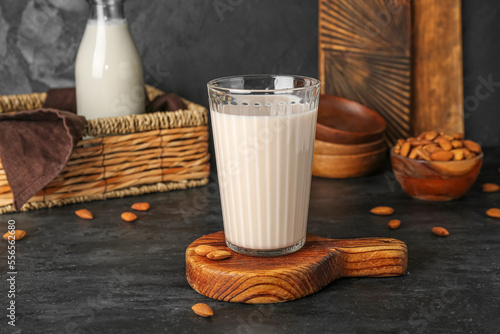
(108, 71)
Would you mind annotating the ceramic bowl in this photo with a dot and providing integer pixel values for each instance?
(436, 180)
(342, 121)
(346, 166)
(323, 147)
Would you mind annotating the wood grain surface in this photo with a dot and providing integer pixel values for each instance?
(262, 280)
(364, 55)
(437, 87)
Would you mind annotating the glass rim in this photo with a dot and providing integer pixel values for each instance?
(315, 83)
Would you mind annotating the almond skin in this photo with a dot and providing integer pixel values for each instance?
(382, 211)
(490, 187)
(18, 234)
(431, 135)
(445, 144)
(441, 231)
(442, 156)
(218, 255)
(128, 216)
(394, 224)
(203, 250)
(494, 213)
(405, 149)
(457, 144)
(140, 206)
(84, 214)
(458, 154)
(472, 146)
(203, 310)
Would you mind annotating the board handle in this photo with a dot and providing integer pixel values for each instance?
(373, 257)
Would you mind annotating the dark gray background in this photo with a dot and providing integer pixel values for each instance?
(184, 44)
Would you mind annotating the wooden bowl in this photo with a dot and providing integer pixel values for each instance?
(342, 121)
(345, 166)
(436, 180)
(323, 147)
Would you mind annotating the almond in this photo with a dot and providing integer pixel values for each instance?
(423, 155)
(140, 206)
(203, 310)
(472, 146)
(458, 154)
(84, 214)
(203, 250)
(413, 154)
(441, 231)
(382, 211)
(445, 144)
(457, 143)
(459, 136)
(431, 135)
(16, 235)
(401, 142)
(442, 156)
(432, 148)
(405, 149)
(490, 187)
(421, 142)
(494, 213)
(218, 255)
(394, 224)
(128, 216)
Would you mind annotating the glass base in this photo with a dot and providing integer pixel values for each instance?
(267, 252)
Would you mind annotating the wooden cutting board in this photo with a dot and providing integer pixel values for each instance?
(263, 280)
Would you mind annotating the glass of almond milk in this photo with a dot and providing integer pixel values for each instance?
(264, 128)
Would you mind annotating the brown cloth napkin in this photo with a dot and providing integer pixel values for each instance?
(34, 148)
(62, 99)
(166, 102)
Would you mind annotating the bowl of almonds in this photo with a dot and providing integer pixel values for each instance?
(436, 166)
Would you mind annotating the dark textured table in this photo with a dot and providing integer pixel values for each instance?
(107, 276)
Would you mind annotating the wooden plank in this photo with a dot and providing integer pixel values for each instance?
(364, 55)
(437, 66)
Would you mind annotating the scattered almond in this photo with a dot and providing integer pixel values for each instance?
(494, 213)
(490, 187)
(382, 211)
(84, 214)
(128, 216)
(203, 250)
(203, 310)
(442, 156)
(441, 231)
(458, 136)
(218, 255)
(140, 206)
(18, 234)
(394, 224)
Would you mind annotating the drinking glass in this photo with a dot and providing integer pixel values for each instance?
(264, 128)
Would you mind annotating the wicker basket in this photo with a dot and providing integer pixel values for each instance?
(123, 156)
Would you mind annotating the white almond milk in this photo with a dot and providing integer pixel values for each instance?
(264, 166)
(108, 72)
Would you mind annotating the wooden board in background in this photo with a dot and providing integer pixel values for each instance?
(364, 55)
(437, 76)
